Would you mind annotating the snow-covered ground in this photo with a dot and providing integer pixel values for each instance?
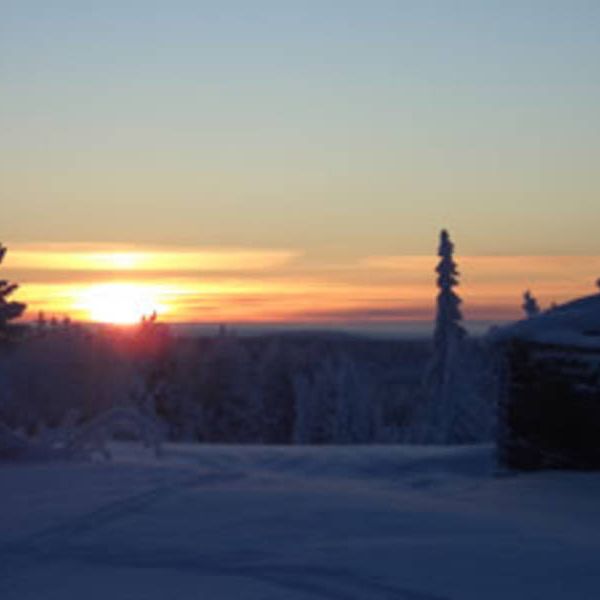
(298, 523)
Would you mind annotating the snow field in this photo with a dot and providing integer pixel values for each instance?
(257, 522)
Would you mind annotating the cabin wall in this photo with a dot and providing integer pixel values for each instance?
(550, 409)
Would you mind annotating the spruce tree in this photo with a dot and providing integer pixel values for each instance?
(9, 309)
(530, 305)
(448, 317)
(441, 417)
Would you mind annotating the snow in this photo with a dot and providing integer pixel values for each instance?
(575, 323)
(298, 523)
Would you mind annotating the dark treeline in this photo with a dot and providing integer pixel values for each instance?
(310, 388)
(277, 389)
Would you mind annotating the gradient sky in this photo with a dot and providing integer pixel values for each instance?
(330, 134)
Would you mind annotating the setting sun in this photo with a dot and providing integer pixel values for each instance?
(119, 303)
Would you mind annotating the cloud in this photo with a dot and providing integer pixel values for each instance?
(105, 257)
(492, 268)
(196, 284)
(378, 314)
(367, 314)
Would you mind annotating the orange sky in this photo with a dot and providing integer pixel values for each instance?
(291, 160)
(105, 282)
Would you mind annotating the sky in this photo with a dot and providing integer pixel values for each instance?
(275, 160)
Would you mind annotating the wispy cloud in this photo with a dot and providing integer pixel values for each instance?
(237, 284)
(104, 257)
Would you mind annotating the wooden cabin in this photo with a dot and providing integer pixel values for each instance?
(549, 407)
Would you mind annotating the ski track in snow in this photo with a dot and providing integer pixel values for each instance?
(299, 524)
(54, 545)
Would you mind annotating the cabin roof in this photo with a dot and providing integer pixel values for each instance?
(575, 323)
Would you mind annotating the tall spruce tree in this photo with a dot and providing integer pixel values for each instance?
(448, 317)
(439, 418)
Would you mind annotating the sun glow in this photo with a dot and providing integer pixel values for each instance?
(120, 285)
(119, 303)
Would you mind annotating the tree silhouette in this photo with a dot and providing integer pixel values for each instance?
(451, 409)
(530, 305)
(9, 309)
(448, 316)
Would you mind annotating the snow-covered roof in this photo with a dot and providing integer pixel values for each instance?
(575, 323)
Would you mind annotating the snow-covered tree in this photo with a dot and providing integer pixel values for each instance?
(228, 395)
(150, 349)
(530, 305)
(356, 415)
(58, 371)
(334, 403)
(448, 333)
(452, 408)
(448, 329)
(275, 380)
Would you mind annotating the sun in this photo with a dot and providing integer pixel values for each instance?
(119, 303)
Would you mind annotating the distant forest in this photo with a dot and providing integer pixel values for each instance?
(59, 377)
